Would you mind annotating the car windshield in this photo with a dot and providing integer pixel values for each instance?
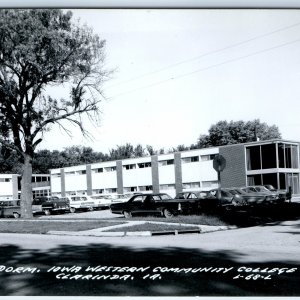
(165, 197)
(238, 192)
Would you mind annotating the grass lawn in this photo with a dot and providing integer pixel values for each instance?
(190, 219)
(153, 227)
(37, 226)
(40, 227)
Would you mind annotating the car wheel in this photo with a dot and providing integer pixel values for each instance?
(47, 212)
(72, 209)
(127, 214)
(16, 215)
(168, 213)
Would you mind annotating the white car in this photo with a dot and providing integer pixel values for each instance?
(80, 202)
(120, 198)
(102, 201)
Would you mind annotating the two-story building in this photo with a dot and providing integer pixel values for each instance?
(273, 162)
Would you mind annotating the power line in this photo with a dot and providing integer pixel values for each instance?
(205, 54)
(209, 67)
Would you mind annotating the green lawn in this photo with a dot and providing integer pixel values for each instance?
(153, 227)
(37, 226)
(190, 219)
(40, 227)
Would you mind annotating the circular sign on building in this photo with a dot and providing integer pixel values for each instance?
(219, 163)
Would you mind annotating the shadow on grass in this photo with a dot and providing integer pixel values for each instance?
(171, 284)
(269, 214)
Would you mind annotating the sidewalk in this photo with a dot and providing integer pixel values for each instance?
(103, 231)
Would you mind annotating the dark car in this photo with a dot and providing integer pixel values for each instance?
(141, 204)
(197, 201)
(229, 199)
(283, 194)
(49, 204)
(251, 198)
(10, 208)
(271, 197)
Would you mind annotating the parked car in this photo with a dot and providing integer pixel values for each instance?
(117, 198)
(229, 199)
(283, 194)
(271, 197)
(141, 204)
(102, 201)
(252, 198)
(80, 202)
(198, 201)
(10, 208)
(49, 204)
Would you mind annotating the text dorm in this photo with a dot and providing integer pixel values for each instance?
(18, 270)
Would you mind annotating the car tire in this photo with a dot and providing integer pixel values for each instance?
(127, 214)
(16, 215)
(168, 214)
(47, 212)
(72, 209)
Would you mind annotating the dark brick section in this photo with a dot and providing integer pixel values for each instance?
(235, 172)
(178, 172)
(155, 176)
(62, 183)
(119, 177)
(89, 182)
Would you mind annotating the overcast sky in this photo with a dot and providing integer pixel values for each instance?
(180, 71)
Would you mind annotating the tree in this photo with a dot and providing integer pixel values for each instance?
(122, 151)
(236, 132)
(42, 48)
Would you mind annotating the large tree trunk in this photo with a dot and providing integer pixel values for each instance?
(26, 188)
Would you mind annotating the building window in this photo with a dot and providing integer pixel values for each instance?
(254, 180)
(56, 175)
(110, 169)
(190, 159)
(5, 179)
(210, 184)
(145, 188)
(129, 167)
(98, 191)
(130, 189)
(207, 157)
(81, 172)
(253, 158)
(268, 156)
(166, 162)
(191, 185)
(167, 186)
(70, 173)
(98, 170)
(144, 165)
(270, 179)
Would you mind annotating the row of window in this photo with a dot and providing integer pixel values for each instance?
(139, 165)
(265, 156)
(5, 179)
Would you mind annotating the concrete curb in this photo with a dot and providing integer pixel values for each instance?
(140, 233)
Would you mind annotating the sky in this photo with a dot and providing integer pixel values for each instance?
(178, 71)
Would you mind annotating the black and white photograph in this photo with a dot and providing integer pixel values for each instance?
(150, 152)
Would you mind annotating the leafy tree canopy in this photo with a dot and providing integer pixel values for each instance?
(42, 48)
(236, 132)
